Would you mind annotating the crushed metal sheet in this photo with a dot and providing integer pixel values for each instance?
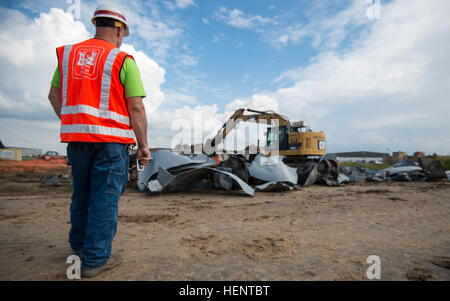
(238, 167)
(186, 181)
(356, 175)
(154, 186)
(272, 169)
(191, 179)
(180, 169)
(222, 180)
(275, 186)
(343, 179)
(164, 177)
(376, 175)
(50, 180)
(402, 177)
(402, 169)
(309, 175)
(168, 160)
(244, 186)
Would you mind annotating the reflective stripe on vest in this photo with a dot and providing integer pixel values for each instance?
(95, 129)
(106, 79)
(65, 71)
(85, 109)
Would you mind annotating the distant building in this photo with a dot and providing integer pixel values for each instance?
(398, 156)
(358, 157)
(28, 152)
(16, 153)
(11, 154)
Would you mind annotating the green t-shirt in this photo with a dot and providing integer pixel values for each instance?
(129, 77)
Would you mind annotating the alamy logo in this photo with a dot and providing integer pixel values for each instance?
(74, 270)
(74, 9)
(374, 10)
(374, 270)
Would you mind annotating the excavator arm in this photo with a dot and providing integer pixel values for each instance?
(238, 116)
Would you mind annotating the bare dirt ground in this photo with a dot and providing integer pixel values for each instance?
(315, 233)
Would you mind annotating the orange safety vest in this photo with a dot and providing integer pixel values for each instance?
(94, 107)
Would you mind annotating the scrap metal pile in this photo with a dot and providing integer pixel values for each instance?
(404, 171)
(172, 172)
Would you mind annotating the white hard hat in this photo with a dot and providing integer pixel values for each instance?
(112, 12)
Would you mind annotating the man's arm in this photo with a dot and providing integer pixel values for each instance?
(55, 99)
(138, 122)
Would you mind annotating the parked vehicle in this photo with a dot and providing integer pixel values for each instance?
(51, 155)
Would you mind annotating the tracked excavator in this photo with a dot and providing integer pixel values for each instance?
(294, 141)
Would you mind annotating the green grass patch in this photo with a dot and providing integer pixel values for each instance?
(370, 166)
(445, 161)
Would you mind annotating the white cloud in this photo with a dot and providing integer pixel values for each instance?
(158, 35)
(28, 59)
(392, 82)
(237, 18)
(218, 37)
(185, 3)
(323, 31)
(152, 77)
(258, 102)
(169, 5)
(389, 121)
(177, 98)
(187, 60)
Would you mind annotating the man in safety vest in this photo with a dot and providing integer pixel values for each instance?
(97, 93)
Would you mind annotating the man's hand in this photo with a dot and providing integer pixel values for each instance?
(143, 155)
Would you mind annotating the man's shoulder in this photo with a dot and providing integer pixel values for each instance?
(77, 43)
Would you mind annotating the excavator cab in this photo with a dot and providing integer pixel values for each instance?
(277, 136)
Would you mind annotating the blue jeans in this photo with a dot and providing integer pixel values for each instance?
(100, 175)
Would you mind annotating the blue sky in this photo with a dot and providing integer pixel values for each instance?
(377, 84)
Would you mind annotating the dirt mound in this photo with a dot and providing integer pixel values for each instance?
(419, 274)
(271, 247)
(442, 261)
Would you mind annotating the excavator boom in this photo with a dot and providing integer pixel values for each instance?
(238, 116)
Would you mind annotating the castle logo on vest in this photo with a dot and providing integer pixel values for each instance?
(85, 64)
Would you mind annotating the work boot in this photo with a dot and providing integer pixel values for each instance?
(113, 261)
